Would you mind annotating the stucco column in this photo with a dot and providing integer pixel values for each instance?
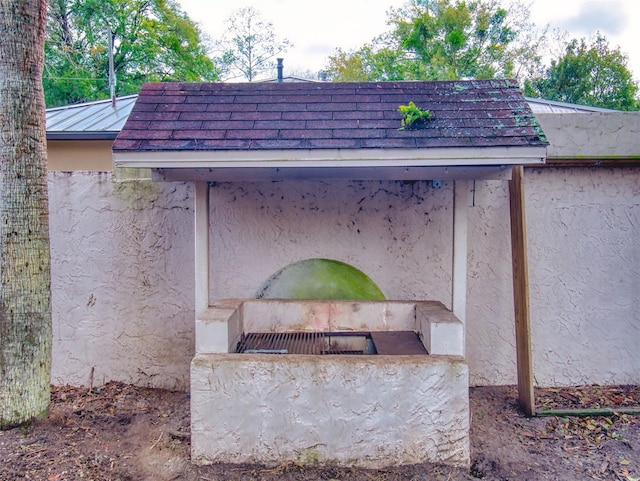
(201, 246)
(461, 199)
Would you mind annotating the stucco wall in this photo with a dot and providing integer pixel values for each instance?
(122, 280)
(584, 271)
(607, 135)
(82, 155)
(398, 233)
(584, 254)
(122, 260)
(370, 411)
(583, 227)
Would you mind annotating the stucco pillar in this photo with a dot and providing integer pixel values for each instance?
(201, 245)
(461, 199)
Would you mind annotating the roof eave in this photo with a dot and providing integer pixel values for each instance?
(333, 158)
(99, 135)
(441, 173)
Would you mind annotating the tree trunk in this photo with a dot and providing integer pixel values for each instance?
(25, 279)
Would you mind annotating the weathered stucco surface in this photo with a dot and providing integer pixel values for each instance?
(365, 410)
(584, 271)
(371, 411)
(596, 135)
(583, 228)
(219, 328)
(398, 233)
(122, 266)
(584, 241)
(122, 280)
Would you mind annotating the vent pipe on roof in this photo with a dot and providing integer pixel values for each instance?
(280, 69)
(112, 72)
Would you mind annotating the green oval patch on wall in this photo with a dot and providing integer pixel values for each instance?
(321, 279)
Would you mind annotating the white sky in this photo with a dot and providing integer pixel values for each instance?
(317, 28)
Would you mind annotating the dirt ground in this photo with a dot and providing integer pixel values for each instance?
(119, 432)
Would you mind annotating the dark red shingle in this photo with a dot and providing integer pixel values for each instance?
(309, 115)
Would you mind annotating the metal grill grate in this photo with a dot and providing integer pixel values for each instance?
(305, 343)
(318, 343)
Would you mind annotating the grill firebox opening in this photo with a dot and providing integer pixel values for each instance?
(322, 343)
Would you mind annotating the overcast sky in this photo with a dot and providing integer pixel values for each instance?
(317, 28)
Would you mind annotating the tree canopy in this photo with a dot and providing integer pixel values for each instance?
(249, 46)
(458, 39)
(153, 41)
(589, 74)
(445, 40)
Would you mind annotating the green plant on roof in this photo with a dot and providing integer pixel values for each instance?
(413, 116)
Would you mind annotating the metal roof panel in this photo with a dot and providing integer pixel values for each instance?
(91, 117)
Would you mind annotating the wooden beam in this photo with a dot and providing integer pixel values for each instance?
(201, 246)
(521, 291)
(621, 162)
(250, 174)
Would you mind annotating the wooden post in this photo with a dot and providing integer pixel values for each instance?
(521, 291)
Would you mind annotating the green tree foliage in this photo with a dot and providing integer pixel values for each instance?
(249, 46)
(594, 74)
(377, 61)
(445, 40)
(153, 41)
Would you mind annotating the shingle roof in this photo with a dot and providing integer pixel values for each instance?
(287, 116)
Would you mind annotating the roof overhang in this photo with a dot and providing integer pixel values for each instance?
(355, 164)
(501, 172)
(66, 135)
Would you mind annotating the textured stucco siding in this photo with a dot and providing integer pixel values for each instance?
(122, 266)
(122, 280)
(583, 228)
(607, 135)
(398, 233)
(584, 250)
(370, 411)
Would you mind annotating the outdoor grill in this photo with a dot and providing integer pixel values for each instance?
(368, 383)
